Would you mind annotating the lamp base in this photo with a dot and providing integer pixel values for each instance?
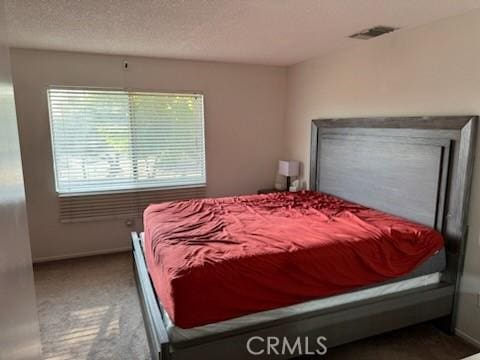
(288, 183)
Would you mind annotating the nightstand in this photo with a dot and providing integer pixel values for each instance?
(266, 191)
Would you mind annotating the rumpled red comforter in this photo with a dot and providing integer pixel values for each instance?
(215, 259)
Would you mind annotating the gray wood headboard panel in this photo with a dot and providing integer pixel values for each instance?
(418, 168)
(407, 174)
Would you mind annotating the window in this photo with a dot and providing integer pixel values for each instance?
(112, 140)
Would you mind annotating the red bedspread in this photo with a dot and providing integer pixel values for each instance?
(215, 259)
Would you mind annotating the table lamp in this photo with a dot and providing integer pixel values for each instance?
(288, 168)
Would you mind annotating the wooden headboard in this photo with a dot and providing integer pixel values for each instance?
(418, 168)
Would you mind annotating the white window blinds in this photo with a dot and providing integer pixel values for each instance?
(109, 140)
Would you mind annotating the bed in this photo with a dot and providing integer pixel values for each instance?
(414, 169)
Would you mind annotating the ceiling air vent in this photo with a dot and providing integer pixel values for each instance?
(373, 32)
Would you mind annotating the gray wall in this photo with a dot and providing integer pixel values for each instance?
(430, 70)
(244, 117)
(19, 337)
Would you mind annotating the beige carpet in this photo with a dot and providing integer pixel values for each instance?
(88, 309)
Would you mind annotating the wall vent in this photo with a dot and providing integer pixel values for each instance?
(373, 32)
(103, 207)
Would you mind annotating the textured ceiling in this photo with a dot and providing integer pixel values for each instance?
(279, 32)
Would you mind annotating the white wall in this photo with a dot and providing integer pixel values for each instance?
(19, 332)
(431, 70)
(244, 115)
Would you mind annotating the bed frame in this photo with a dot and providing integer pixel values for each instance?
(415, 167)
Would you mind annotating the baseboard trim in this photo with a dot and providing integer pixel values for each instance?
(469, 339)
(80, 254)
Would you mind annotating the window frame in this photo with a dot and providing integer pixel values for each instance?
(128, 190)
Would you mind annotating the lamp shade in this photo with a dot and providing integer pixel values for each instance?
(288, 167)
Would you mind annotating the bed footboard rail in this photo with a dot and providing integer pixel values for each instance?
(158, 340)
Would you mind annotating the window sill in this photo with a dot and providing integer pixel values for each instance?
(128, 191)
